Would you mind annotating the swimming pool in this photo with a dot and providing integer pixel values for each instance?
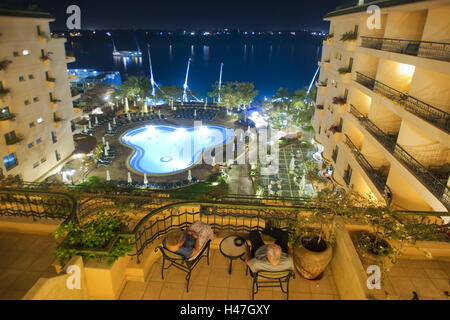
(162, 149)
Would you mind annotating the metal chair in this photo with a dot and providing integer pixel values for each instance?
(181, 262)
(271, 279)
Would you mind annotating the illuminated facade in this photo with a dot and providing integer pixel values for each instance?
(383, 102)
(35, 97)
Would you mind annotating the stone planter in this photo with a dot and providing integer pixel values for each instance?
(369, 258)
(311, 262)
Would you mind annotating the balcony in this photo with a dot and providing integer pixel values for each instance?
(45, 59)
(4, 92)
(423, 110)
(425, 49)
(43, 37)
(13, 140)
(7, 116)
(424, 175)
(70, 59)
(372, 173)
(50, 82)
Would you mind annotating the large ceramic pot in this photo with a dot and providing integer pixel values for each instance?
(311, 256)
(367, 257)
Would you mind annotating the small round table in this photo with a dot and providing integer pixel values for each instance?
(230, 250)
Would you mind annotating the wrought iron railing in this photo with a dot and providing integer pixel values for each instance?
(425, 111)
(37, 204)
(421, 172)
(377, 180)
(427, 49)
(157, 227)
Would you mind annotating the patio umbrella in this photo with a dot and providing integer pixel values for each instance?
(106, 151)
(90, 124)
(129, 178)
(96, 120)
(213, 162)
(189, 176)
(109, 126)
(103, 140)
(195, 112)
(107, 145)
(85, 128)
(108, 177)
(145, 179)
(159, 113)
(114, 121)
(129, 116)
(206, 102)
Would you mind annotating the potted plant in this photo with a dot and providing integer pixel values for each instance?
(314, 235)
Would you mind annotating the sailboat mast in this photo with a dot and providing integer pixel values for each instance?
(220, 82)
(185, 86)
(151, 70)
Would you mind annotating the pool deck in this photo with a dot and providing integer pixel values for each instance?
(119, 168)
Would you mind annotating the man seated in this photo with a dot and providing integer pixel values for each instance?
(188, 243)
(269, 257)
(184, 243)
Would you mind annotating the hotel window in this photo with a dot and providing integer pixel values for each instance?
(348, 174)
(31, 76)
(54, 137)
(35, 99)
(30, 145)
(38, 140)
(31, 124)
(35, 164)
(58, 157)
(26, 102)
(21, 78)
(10, 161)
(43, 160)
(16, 53)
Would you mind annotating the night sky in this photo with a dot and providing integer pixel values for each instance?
(192, 14)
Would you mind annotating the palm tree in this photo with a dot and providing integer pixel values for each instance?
(134, 88)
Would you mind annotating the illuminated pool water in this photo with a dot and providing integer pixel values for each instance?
(160, 149)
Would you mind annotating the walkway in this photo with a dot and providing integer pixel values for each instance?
(239, 181)
(24, 258)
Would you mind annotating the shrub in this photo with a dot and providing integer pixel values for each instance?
(97, 238)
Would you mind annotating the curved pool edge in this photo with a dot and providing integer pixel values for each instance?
(198, 162)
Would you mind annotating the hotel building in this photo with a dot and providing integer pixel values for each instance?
(383, 102)
(35, 98)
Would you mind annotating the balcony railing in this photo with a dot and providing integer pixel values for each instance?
(423, 110)
(373, 174)
(421, 172)
(427, 49)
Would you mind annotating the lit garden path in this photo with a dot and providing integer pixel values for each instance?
(289, 188)
(240, 181)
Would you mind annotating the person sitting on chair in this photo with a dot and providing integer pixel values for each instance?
(269, 257)
(184, 243)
